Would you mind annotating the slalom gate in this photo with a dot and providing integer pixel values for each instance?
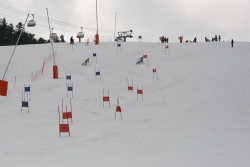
(139, 38)
(129, 86)
(97, 73)
(87, 42)
(155, 73)
(63, 127)
(119, 46)
(106, 98)
(145, 57)
(94, 56)
(140, 92)
(25, 102)
(118, 108)
(70, 89)
(67, 114)
(68, 78)
(166, 48)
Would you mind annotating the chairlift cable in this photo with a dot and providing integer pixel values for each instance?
(38, 17)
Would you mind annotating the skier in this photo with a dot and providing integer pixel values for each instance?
(62, 38)
(71, 40)
(86, 62)
(195, 40)
(139, 61)
(232, 43)
(167, 40)
(219, 38)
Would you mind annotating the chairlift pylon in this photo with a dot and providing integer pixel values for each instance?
(31, 23)
(80, 34)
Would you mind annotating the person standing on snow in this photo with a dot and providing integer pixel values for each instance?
(232, 43)
(219, 38)
(71, 40)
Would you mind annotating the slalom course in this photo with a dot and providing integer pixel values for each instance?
(197, 109)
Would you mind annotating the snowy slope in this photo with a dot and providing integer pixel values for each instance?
(196, 114)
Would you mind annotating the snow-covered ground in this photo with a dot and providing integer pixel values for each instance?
(195, 115)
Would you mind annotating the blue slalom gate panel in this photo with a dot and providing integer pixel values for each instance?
(25, 104)
(139, 37)
(68, 77)
(118, 45)
(98, 73)
(70, 88)
(94, 54)
(27, 89)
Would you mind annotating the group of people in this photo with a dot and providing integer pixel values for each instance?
(213, 39)
(163, 39)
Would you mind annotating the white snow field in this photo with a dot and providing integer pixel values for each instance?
(195, 115)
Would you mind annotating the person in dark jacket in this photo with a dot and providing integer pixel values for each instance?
(71, 40)
(195, 39)
(232, 43)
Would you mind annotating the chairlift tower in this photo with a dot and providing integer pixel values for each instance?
(124, 35)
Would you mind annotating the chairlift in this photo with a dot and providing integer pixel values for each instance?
(53, 36)
(1, 22)
(123, 35)
(32, 23)
(80, 34)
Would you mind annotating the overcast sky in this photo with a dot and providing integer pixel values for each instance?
(149, 18)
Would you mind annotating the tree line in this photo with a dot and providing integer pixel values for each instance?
(9, 35)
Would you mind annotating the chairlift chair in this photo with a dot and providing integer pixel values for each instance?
(53, 36)
(31, 23)
(80, 34)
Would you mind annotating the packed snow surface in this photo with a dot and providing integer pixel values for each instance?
(196, 114)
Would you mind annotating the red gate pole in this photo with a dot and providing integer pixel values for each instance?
(59, 121)
(142, 92)
(137, 93)
(109, 99)
(71, 112)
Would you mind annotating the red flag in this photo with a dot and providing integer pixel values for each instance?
(167, 47)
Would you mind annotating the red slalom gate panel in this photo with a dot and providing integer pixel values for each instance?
(105, 98)
(67, 115)
(118, 109)
(64, 128)
(154, 70)
(139, 91)
(130, 88)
